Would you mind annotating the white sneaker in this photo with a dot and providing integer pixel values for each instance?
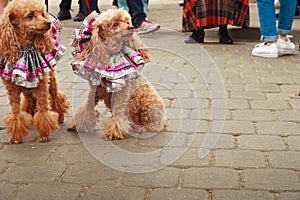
(285, 47)
(262, 50)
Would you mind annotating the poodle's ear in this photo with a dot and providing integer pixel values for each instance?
(9, 43)
(96, 47)
(136, 43)
(96, 39)
(44, 43)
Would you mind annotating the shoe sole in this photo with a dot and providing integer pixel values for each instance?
(149, 31)
(285, 51)
(267, 55)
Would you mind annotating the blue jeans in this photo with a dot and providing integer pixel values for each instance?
(267, 18)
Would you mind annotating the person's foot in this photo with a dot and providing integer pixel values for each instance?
(285, 46)
(266, 50)
(64, 15)
(79, 17)
(196, 37)
(224, 37)
(147, 27)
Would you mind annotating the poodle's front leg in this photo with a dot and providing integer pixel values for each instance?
(16, 122)
(118, 125)
(45, 121)
(86, 117)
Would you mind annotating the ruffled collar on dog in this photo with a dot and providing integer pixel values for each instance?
(30, 66)
(125, 65)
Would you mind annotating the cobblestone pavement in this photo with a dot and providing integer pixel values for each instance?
(233, 128)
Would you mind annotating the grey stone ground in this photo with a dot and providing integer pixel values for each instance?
(257, 154)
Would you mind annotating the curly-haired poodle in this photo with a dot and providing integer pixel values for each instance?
(29, 49)
(110, 56)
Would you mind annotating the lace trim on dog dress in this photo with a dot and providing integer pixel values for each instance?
(30, 66)
(125, 65)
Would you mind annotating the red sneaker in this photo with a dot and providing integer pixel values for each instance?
(147, 27)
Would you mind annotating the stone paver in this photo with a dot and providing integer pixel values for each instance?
(293, 142)
(48, 191)
(109, 192)
(278, 128)
(178, 194)
(254, 154)
(242, 195)
(271, 179)
(211, 178)
(261, 142)
(239, 159)
(285, 159)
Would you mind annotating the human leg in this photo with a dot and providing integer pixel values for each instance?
(64, 12)
(79, 16)
(136, 11)
(88, 6)
(267, 19)
(286, 16)
(285, 22)
(196, 37)
(224, 37)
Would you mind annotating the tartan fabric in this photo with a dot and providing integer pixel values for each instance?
(198, 14)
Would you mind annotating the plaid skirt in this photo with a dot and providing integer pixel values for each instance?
(198, 14)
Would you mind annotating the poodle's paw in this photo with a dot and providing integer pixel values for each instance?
(15, 141)
(117, 134)
(113, 131)
(44, 138)
(61, 119)
(72, 128)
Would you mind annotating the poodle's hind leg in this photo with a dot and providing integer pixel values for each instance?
(87, 116)
(16, 122)
(147, 111)
(45, 121)
(58, 100)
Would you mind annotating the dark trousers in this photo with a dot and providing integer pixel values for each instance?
(65, 4)
(85, 6)
(136, 11)
(88, 6)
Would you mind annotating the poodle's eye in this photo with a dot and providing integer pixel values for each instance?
(116, 24)
(30, 15)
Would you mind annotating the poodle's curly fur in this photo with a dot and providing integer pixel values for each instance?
(26, 22)
(137, 106)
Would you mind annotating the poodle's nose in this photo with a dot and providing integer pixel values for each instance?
(48, 24)
(130, 28)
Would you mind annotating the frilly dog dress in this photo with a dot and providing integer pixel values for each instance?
(125, 65)
(30, 66)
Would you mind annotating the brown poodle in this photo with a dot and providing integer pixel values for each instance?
(28, 52)
(110, 55)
